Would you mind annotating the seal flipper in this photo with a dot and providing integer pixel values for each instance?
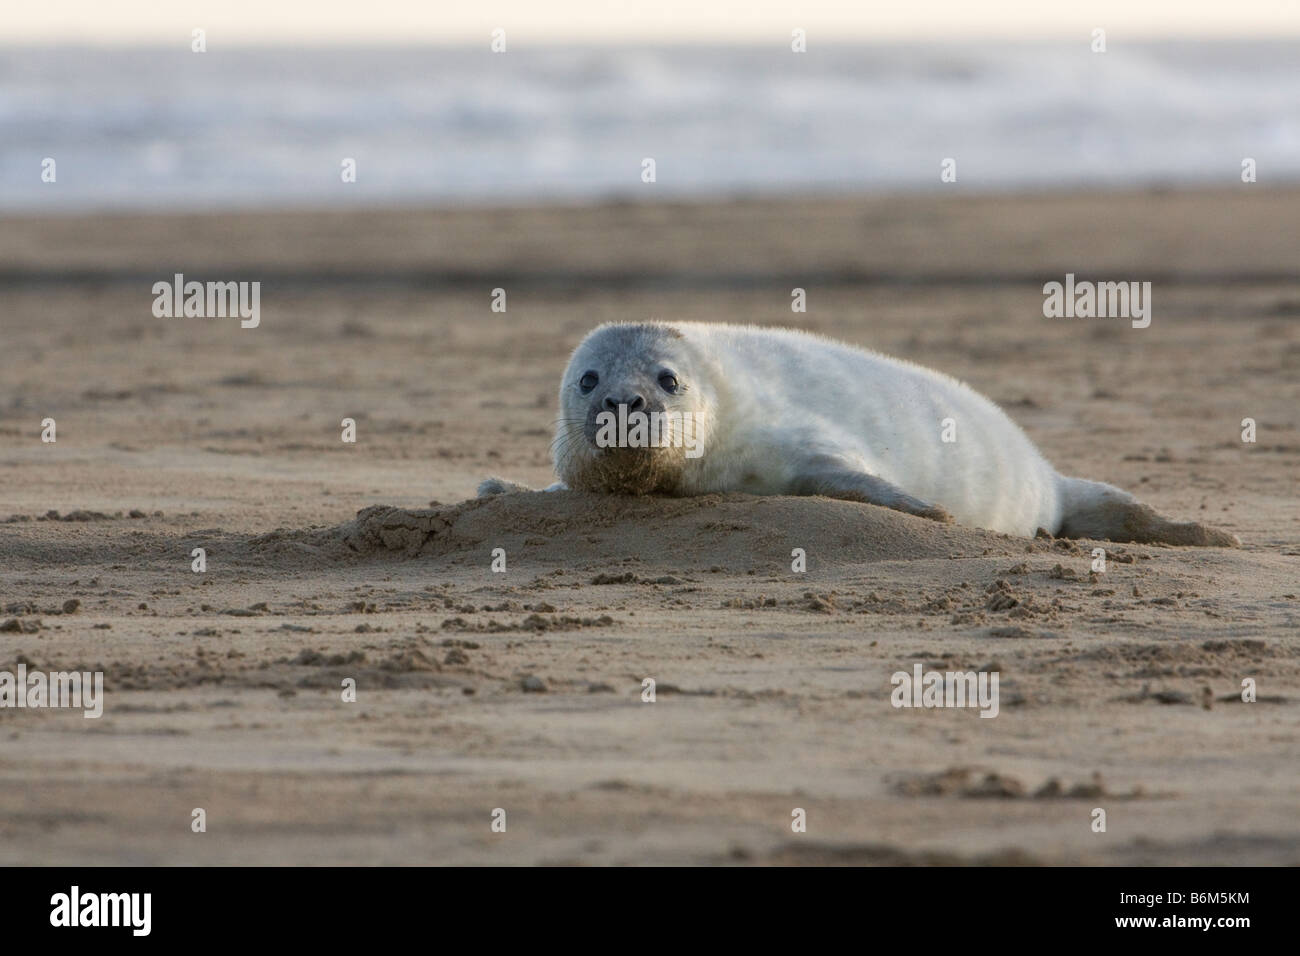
(836, 480)
(1091, 509)
(499, 486)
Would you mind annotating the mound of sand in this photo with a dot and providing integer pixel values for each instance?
(735, 531)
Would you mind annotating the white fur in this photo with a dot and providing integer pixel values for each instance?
(781, 396)
(788, 412)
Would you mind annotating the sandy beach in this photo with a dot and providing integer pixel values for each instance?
(328, 561)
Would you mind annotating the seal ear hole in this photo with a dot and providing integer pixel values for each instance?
(588, 381)
(668, 381)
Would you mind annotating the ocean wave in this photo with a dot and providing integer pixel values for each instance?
(151, 128)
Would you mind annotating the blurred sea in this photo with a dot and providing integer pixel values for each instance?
(150, 129)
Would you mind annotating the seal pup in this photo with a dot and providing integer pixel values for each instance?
(783, 412)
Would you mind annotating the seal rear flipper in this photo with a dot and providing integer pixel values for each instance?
(1092, 509)
(834, 480)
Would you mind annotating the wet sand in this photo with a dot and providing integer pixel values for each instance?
(523, 690)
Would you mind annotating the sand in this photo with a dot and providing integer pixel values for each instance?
(522, 690)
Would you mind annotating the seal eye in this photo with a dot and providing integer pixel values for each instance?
(588, 381)
(668, 381)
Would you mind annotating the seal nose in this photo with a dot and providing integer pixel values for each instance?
(634, 404)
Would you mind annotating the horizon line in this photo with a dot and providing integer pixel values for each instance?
(244, 42)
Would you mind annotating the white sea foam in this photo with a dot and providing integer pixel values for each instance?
(150, 128)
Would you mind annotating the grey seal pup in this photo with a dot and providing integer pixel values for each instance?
(730, 408)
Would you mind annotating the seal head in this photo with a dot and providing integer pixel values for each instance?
(624, 426)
